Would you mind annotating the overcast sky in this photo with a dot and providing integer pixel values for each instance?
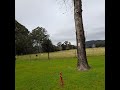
(58, 18)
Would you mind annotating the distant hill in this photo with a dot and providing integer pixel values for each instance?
(95, 43)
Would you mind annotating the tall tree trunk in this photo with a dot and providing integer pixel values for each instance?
(82, 63)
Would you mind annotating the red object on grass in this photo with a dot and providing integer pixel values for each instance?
(61, 79)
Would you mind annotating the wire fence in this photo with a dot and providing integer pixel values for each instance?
(61, 54)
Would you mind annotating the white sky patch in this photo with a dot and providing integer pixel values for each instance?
(58, 19)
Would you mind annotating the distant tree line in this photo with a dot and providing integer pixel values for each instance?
(38, 41)
(95, 43)
(65, 46)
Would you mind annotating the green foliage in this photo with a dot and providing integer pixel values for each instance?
(29, 42)
(22, 39)
(59, 47)
(38, 36)
(65, 46)
(47, 46)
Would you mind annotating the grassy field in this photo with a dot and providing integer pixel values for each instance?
(38, 73)
(62, 54)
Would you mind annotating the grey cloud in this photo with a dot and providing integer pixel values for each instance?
(69, 35)
(58, 19)
(64, 35)
(98, 34)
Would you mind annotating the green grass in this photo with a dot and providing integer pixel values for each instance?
(43, 74)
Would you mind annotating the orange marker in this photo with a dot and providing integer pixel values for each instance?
(61, 79)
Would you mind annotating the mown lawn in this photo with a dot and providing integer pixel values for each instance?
(39, 73)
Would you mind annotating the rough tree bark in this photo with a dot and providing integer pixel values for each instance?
(82, 63)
